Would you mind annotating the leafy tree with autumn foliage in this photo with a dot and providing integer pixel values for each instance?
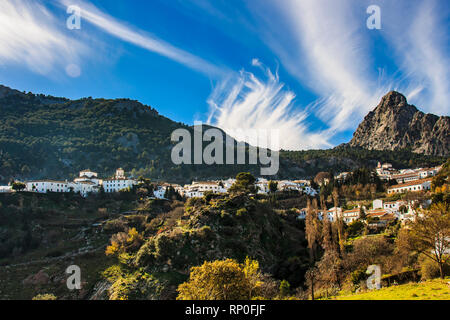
(124, 242)
(222, 280)
(441, 185)
(429, 234)
(323, 178)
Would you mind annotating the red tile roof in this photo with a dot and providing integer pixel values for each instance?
(352, 210)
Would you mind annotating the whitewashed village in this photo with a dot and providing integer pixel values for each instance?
(382, 212)
(88, 182)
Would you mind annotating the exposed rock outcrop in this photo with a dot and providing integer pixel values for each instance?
(395, 124)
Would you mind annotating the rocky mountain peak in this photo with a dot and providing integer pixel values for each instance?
(394, 98)
(394, 125)
(395, 103)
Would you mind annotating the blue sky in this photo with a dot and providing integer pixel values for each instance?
(308, 68)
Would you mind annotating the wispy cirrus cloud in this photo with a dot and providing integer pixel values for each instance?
(321, 44)
(30, 35)
(421, 47)
(249, 102)
(140, 38)
(326, 50)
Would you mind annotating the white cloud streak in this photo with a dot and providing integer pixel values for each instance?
(248, 103)
(327, 53)
(421, 48)
(141, 39)
(30, 35)
(33, 36)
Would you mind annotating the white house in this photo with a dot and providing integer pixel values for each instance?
(6, 189)
(342, 176)
(159, 192)
(88, 175)
(86, 183)
(334, 213)
(118, 182)
(393, 206)
(199, 188)
(262, 185)
(204, 186)
(194, 193)
(385, 171)
(351, 215)
(377, 204)
(309, 191)
(84, 188)
(407, 176)
(228, 183)
(287, 185)
(44, 186)
(428, 172)
(410, 215)
(331, 214)
(413, 186)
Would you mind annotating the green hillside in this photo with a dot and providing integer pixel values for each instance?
(153, 243)
(206, 229)
(130, 246)
(437, 289)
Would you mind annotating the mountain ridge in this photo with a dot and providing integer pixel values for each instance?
(49, 137)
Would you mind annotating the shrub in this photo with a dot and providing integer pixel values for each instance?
(112, 273)
(136, 221)
(136, 286)
(222, 280)
(285, 289)
(208, 196)
(355, 229)
(194, 202)
(227, 218)
(46, 296)
(154, 225)
(241, 212)
(166, 247)
(147, 253)
(205, 233)
(357, 276)
(114, 226)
